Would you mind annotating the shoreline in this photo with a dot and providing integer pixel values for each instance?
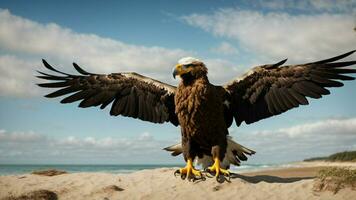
(5, 169)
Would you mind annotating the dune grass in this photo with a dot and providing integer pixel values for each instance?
(35, 195)
(335, 178)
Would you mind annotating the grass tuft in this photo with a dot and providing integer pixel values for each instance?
(335, 178)
(35, 195)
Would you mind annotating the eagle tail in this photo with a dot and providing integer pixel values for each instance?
(176, 149)
(235, 152)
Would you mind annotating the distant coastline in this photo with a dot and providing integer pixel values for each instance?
(346, 156)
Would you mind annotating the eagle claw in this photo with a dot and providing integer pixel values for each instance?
(220, 174)
(176, 172)
(189, 172)
(222, 178)
(191, 176)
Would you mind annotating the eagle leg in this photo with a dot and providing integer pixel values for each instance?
(218, 171)
(189, 171)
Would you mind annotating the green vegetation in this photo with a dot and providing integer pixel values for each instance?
(316, 159)
(345, 156)
(335, 178)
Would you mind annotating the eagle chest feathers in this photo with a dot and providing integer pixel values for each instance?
(199, 109)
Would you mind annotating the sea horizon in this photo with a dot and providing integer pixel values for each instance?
(16, 169)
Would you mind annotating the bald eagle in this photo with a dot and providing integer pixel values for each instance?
(203, 111)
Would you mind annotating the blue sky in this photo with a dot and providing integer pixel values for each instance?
(149, 38)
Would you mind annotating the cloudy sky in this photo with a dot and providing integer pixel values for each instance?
(149, 38)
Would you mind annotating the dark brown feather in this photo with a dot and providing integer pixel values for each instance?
(334, 58)
(76, 96)
(284, 87)
(63, 91)
(55, 84)
(290, 97)
(134, 95)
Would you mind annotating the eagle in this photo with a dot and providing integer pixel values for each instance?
(203, 111)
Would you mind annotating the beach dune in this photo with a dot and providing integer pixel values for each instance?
(285, 183)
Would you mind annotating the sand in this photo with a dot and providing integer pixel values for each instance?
(294, 182)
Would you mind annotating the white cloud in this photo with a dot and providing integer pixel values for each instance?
(17, 76)
(302, 141)
(326, 127)
(145, 136)
(26, 42)
(102, 54)
(329, 127)
(21, 137)
(276, 35)
(32, 147)
(293, 143)
(225, 48)
(221, 71)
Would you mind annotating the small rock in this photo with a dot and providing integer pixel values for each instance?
(216, 188)
(112, 188)
(49, 172)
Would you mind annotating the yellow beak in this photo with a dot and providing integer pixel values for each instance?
(179, 70)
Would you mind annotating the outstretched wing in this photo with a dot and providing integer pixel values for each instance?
(273, 89)
(132, 94)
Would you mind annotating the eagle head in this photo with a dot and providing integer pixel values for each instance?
(189, 67)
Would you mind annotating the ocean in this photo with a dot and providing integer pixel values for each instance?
(115, 169)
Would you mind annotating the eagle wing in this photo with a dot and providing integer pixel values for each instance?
(270, 90)
(132, 94)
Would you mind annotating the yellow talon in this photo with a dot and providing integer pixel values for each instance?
(189, 171)
(218, 170)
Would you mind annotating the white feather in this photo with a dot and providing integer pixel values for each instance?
(207, 160)
(188, 60)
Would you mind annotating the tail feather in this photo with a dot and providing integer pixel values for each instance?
(176, 149)
(234, 154)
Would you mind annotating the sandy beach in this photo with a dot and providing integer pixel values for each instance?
(295, 182)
